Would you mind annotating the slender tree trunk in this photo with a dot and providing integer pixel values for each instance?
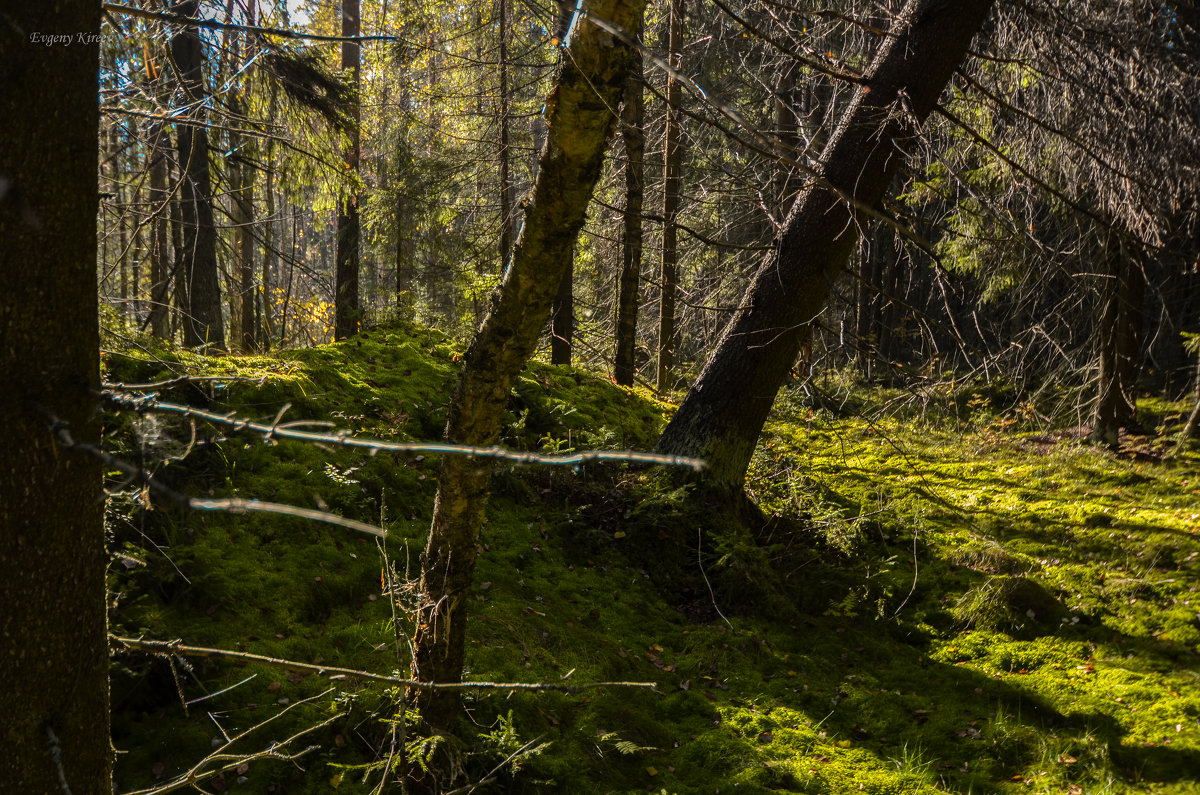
(1118, 342)
(179, 271)
(506, 198)
(160, 263)
(668, 274)
(347, 310)
(634, 136)
(242, 196)
(589, 83)
(562, 320)
(723, 413)
(54, 736)
(203, 323)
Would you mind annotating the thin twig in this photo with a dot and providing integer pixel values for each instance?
(195, 774)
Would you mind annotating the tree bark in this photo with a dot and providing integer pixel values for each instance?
(588, 85)
(562, 323)
(723, 413)
(1118, 342)
(668, 273)
(347, 311)
(203, 323)
(53, 619)
(634, 136)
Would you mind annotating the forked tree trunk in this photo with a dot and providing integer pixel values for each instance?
(723, 413)
(634, 136)
(347, 309)
(203, 323)
(588, 86)
(54, 734)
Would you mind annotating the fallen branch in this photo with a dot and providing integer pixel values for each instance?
(147, 403)
(177, 648)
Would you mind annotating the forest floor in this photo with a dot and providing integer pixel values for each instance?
(942, 598)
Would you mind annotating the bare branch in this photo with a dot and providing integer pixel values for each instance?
(177, 648)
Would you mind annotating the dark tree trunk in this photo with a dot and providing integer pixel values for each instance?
(634, 136)
(242, 195)
(1118, 342)
(562, 320)
(589, 84)
(203, 323)
(724, 411)
(669, 271)
(54, 735)
(347, 311)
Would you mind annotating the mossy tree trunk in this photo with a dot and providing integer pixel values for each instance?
(724, 411)
(53, 635)
(633, 135)
(580, 118)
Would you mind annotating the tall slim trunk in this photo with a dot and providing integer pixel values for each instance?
(347, 310)
(241, 180)
(506, 198)
(179, 271)
(54, 736)
(634, 136)
(160, 264)
(1118, 341)
(668, 274)
(203, 323)
(562, 323)
(723, 413)
(589, 83)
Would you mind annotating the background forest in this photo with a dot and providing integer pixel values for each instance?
(904, 296)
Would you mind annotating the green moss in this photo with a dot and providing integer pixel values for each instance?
(872, 636)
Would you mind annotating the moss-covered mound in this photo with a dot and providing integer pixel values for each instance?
(873, 635)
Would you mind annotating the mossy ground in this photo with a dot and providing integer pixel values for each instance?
(930, 606)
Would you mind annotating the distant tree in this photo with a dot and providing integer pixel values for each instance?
(196, 271)
(54, 654)
(669, 260)
(633, 134)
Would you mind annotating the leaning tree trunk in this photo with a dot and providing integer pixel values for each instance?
(634, 137)
(588, 87)
(723, 413)
(203, 323)
(54, 657)
(347, 311)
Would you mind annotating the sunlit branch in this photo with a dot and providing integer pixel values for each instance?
(343, 438)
